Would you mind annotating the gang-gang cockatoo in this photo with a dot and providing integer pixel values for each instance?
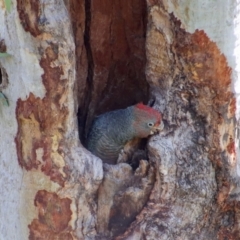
(111, 131)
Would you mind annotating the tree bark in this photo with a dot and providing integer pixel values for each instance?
(64, 62)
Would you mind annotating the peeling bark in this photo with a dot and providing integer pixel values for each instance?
(41, 128)
(53, 218)
(29, 13)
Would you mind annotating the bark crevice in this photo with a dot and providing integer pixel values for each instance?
(90, 69)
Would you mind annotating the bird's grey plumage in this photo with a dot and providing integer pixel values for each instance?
(109, 133)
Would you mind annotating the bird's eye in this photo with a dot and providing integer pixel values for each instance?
(150, 124)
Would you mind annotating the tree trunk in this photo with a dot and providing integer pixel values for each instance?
(64, 62)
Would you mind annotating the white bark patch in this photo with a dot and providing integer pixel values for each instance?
(10, 173)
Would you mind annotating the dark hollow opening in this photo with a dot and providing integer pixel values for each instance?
(111, 57)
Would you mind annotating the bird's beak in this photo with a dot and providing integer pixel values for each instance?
(160, 127)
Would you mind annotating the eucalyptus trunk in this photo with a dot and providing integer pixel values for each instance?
(64, 62)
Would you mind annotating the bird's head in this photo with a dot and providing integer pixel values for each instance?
(146, 120)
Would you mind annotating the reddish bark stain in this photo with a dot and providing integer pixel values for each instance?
(29, 12)
(208, 70)
(54, 214)
(41, 122)
(223, 193)
(232, 107)
(231, 147)
(205, 64)
(227, 234)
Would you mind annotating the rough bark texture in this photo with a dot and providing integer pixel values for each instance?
(87, 57)
(194, 156)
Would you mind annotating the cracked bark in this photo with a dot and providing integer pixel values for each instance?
(94, 56)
